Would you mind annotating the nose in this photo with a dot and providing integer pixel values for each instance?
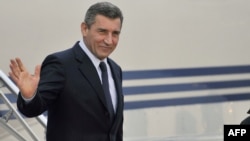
(108, 39)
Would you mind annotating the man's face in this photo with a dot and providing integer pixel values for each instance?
(103, 36)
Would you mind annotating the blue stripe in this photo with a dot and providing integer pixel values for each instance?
(11, 97)
(186, 101)
(3, 112)
(177, 101)
(132, 90)
(164, 73)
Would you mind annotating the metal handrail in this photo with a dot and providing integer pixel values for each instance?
(14, 89)
(6, 82)
(18, 116)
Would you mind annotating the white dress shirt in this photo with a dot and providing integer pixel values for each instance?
(96, 63)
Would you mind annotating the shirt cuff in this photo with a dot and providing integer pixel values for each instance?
(27, 100)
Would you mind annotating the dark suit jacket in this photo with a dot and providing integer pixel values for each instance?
(71, 91)
(246, 121)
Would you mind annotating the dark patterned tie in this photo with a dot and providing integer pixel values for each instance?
(105, 85)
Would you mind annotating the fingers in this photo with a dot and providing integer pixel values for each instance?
(14, 78)
(20, 64)
(17, 66)
(14, 74)
(15, 70)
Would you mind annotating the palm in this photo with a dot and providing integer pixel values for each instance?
(26, 82)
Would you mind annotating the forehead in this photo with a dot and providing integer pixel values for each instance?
(107, 23)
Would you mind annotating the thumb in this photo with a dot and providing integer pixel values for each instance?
(37, 71)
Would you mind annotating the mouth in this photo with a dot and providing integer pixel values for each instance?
(105, 47)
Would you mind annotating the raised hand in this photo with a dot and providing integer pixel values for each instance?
(26, 82)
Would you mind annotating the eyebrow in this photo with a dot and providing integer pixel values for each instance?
(103, 29)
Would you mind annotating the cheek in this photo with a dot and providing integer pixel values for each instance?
(97, 39)
(115, 40)
(93, 40)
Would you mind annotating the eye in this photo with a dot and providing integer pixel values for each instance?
(102, 31)
(116, 33)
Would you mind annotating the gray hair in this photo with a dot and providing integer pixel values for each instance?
(106, 9)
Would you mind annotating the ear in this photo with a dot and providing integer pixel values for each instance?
(84, 29)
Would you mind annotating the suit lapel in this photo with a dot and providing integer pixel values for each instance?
(117, 79)
(116, 73)
(88, 70)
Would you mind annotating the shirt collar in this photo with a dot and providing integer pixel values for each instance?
(92, 57)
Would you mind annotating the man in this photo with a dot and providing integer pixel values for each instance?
(246, 121)
(69, 83)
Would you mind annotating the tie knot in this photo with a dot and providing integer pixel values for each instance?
(103, 67)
